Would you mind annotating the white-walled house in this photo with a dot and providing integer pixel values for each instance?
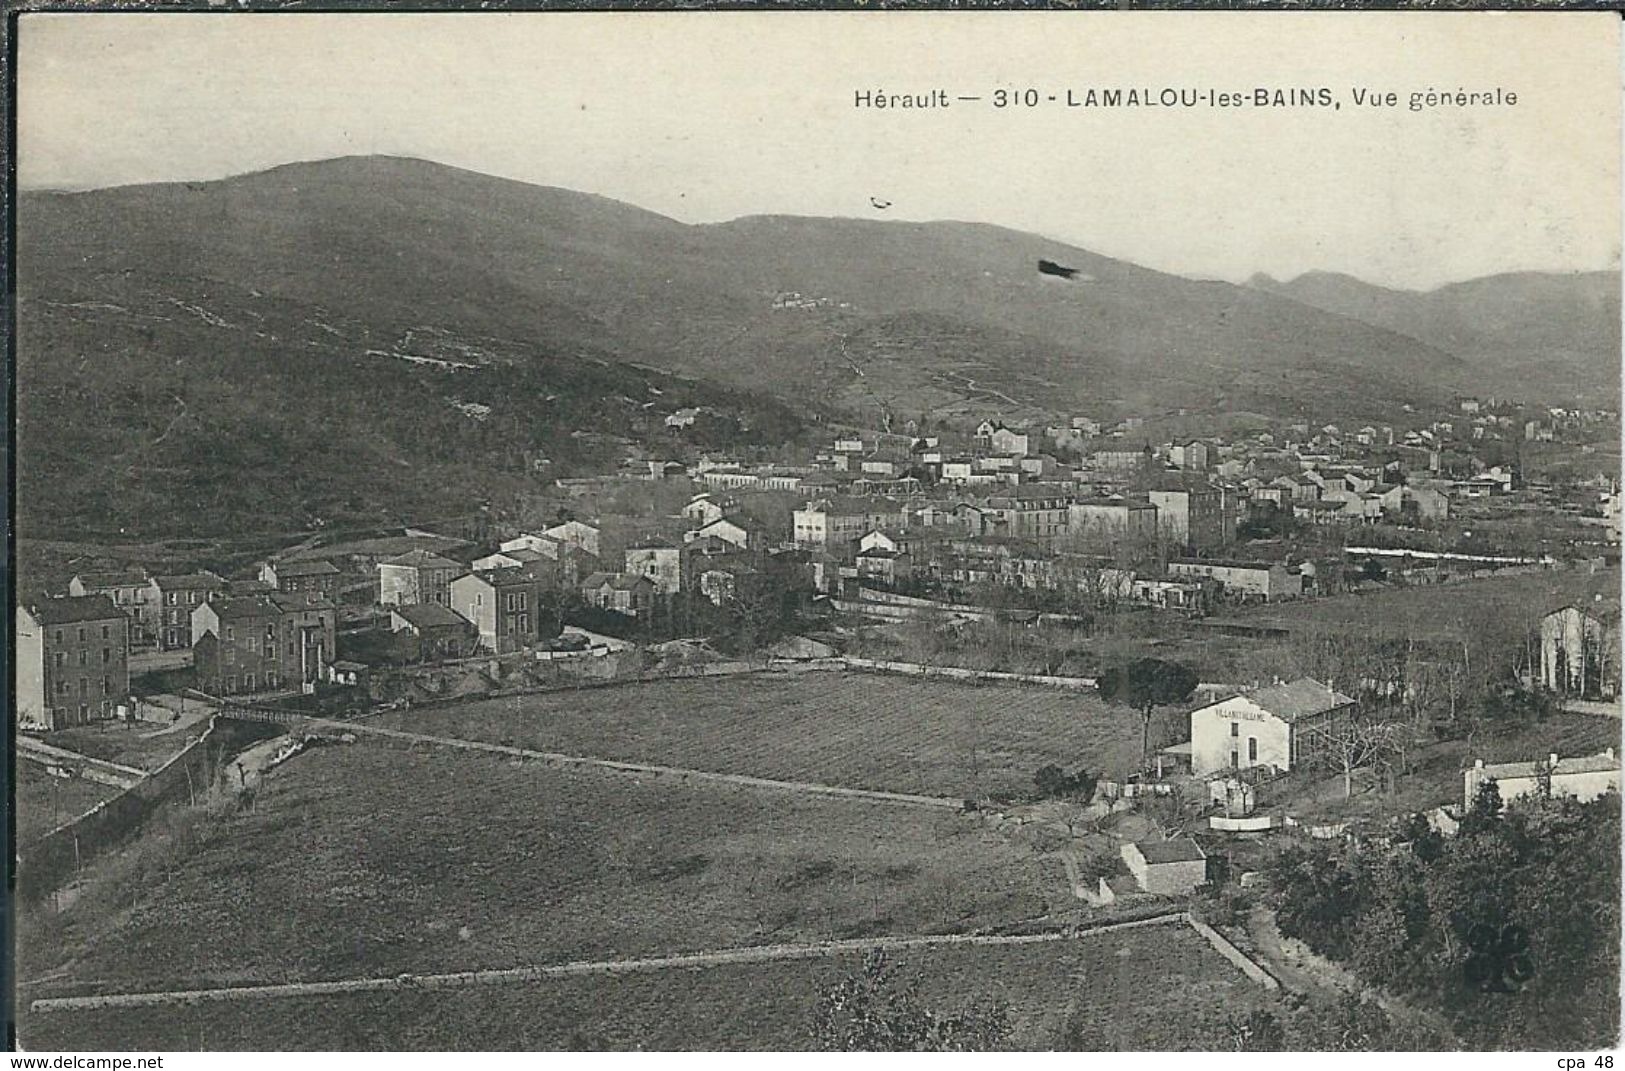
(1278, 726)
(1584, 777)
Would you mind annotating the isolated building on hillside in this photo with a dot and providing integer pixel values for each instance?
(414, 577)
(72, 662)
(1583, 778)
(1281, 726)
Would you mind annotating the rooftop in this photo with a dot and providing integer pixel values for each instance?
(74, 608)
(1580, 764)
(204, 581)
(1302, 698)
(421, 559)
(1179, 850)
(308, 567)
(429, 615)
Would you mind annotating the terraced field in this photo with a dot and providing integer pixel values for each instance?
(1158, 987)
(860, 731)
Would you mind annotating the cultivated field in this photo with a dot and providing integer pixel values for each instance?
(1157, 987)
(856, 730)
(368, 860)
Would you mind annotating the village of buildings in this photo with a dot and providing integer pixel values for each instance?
(758, 565)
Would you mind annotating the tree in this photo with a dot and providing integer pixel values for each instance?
(873, 1010)
(1146, 684)
(1355, 742)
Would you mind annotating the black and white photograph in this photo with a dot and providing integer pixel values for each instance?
(816, 531)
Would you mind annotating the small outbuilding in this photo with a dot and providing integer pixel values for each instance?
(1167, 867)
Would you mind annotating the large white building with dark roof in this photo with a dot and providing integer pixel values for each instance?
(1280, 726)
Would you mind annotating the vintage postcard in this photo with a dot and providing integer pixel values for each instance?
(936, 531)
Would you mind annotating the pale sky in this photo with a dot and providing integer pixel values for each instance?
(707, 117)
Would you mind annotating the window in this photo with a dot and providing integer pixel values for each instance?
(81, 634)
(231, 686)
(1235, 760)
(171, 599)
(231, 632)
(84, 687)
(57, 637)
(1235, 729)
(84, 658)
(1252, 749)
(61, 687)
(270, 651)
(106, 632)
(59, 660)
(248, 682)
(107, 655)
(107, 686)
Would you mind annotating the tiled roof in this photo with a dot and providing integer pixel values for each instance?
(311, 567)
(75, 608)
(1302, 698)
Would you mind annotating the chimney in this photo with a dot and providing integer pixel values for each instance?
(1478, 764)
(1551, 761)
(1608, 752)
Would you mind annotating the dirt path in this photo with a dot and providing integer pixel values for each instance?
(709, 958)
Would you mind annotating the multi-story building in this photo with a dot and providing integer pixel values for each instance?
(175, 597)
(1283, 726)
(1190, 516)
(836, 521)
(263, 643)
(72, 662)
(312, 576)
(132, 592)
(1036, 513)
(1112, 522)
(512, 608)
(414, 577)
(658, 559)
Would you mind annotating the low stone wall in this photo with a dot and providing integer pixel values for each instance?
(1223, 947)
